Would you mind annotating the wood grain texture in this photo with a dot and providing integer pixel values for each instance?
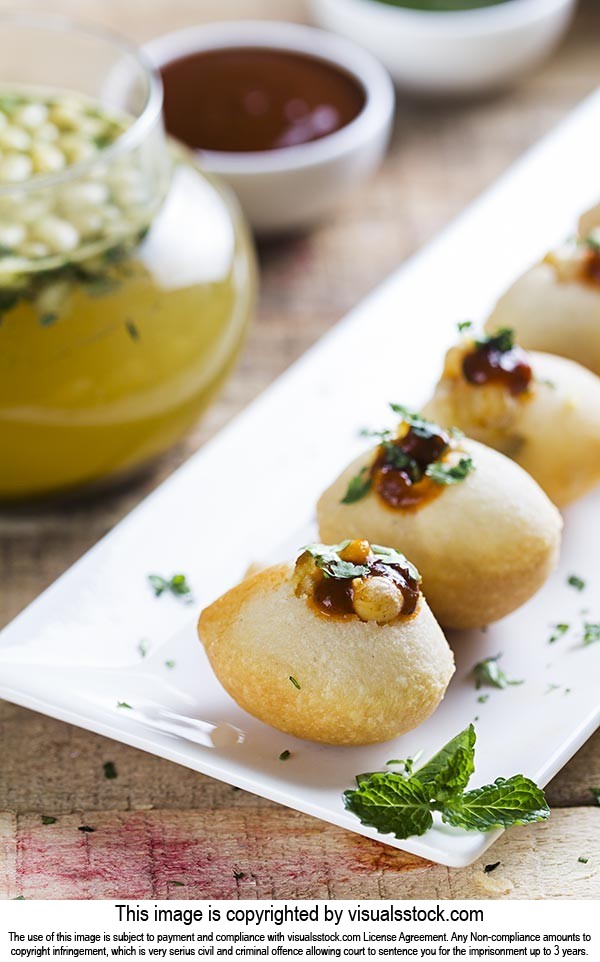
(157, 823)
(238, 853)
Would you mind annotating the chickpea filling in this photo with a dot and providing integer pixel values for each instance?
(398, 471)
(412, 466)
(356, 579)
(498, 360)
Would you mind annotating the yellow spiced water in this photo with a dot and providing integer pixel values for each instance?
(125, 292)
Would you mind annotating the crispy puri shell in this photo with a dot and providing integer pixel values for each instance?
(483, 547)
(360, 682)
(546, 314)
(554, 434)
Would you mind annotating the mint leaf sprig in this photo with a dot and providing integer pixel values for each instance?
(403, 804)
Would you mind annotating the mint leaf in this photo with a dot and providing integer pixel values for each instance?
(488, 672)
(509, 801)
(391, 803)
(450, 474)
(448, 772)
(358, 487)
(464, 326)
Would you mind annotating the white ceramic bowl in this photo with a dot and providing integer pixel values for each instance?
(452, 53)
(291, 188)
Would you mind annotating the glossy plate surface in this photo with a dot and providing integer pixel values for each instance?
(73, 653)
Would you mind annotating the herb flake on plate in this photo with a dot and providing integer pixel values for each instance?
(177, 585)
(558, 632)
(489, 672)
(591, 633)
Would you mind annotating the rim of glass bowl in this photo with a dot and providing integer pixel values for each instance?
(126, 141)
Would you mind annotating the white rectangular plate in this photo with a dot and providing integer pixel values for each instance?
(73, 653)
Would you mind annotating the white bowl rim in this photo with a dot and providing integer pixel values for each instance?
(373, 118)
(499, 18)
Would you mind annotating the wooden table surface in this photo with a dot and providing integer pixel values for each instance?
(158, 825)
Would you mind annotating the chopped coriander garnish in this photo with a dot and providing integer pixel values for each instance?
(358, 486)
(169, 663)
(177, 883)
(143, 647)
(594, 244)
(420, 425)
(559, 631)
(591, 632)
(48, 820)
(503, 340)
(576, 582)
(491, 867)
(450, 474)
(132, 330)
(464, 326)
(391, 453)
(551, 687)
(327, 558)
(482, 699)
(86, 828)
(488, 672)
(285, 755)
(394, 803)
(596, 793)
(19, 898)
(295, 682)
(123, 704)
(110, 770)
(583, 859)
(400, 460)
(48, 318)
(177, 586)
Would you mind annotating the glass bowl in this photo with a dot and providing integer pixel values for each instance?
(127, 276)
